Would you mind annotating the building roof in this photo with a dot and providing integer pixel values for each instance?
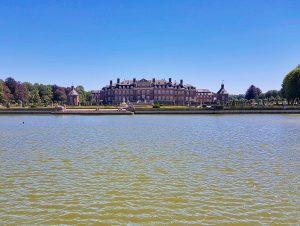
(203, 91)
(73, 92)
(159, 83)
(222, 90)
(129, 82)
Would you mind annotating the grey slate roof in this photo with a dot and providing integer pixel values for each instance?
(222, 90)
(73, 92)
(203, 91)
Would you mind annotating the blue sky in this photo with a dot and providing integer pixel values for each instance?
(89, 42)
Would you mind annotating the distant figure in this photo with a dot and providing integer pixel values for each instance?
(23, 122)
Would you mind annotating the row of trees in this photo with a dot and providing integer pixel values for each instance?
(254, 92)
(12, 91)
(290, 90)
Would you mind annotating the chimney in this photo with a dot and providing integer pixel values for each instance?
(110, 83)
(153, 80)
(118, 80)
(181, 82)
(134, 80)
(170, 80)
(222, 86)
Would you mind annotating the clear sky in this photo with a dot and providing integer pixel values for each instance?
(89, 42)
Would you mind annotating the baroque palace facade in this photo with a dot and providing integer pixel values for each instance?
(152, 91)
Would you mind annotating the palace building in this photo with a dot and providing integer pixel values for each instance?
(152, 91)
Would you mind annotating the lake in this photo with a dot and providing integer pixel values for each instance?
(135, 170)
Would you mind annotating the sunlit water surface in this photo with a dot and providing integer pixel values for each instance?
(132, 170)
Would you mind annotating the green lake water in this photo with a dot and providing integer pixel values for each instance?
(150, 170)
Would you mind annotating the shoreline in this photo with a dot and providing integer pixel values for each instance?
(146, 112)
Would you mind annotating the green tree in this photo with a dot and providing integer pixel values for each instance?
(272, 93)
(253, 92)
(291, 85)
(46, 95)
(88, 97)
(33, 95)
(82, 94)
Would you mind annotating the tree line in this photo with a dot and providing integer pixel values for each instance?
(254, 92)
(290, 91)
(28, 94)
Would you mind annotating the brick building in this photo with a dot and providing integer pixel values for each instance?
(73, 97)
(151, 91)
(222, 95)
(205, 96)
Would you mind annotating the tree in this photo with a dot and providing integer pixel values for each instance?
(82, 94)
(1, 92)
(272, 93)
(16, 89)
(261, 95)
(7, 96)
(21, 93)
(45, 92)
(59, 94)
(10, 88)
(11, 84)
(236, 97)
(291, 85)
(252, 92)
(33, 93)
(88, 96)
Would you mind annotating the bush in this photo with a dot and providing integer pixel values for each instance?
(33, 106)
(156, 105)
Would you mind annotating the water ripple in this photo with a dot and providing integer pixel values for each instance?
(150, 170)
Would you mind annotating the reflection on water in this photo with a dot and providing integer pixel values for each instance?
(179, 170)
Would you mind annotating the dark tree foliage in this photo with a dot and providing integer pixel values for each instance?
(1, 92)
(15, 90)
(272, 93)
(59, 93)
(11, 84)
(21, 93)
(45, 92)
(7, 95)
(252, 92)
(236, 97)
(88, 96)
(291, 85)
